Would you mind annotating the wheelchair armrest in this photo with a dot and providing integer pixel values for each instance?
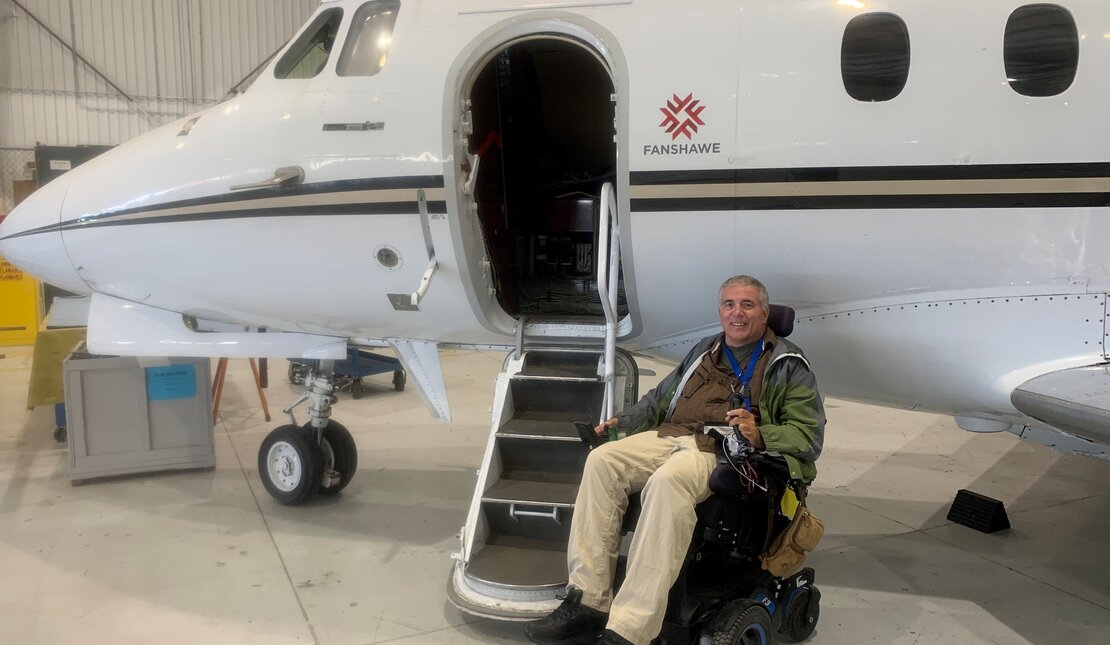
(724, 480)
(776, 464)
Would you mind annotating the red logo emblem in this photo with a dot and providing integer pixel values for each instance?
(682, 116)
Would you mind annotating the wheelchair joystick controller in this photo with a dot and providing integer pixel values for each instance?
(736, 402)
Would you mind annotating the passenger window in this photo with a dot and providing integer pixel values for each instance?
(875, 57)
(367, 48)
(309, 53)
(1041, 50)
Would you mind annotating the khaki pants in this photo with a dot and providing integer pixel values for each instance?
(674, 477)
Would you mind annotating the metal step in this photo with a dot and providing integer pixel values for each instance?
(524, 487)
(522, 550)
(509, 561)
(560, 364)
(553, 459)
(541, 425)
(546, 400)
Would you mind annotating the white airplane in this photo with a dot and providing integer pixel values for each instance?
(926, 183)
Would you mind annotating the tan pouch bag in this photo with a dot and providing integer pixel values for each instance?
(787, 553)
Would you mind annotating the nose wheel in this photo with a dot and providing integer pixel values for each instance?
(290, 464)
(296, 462)
(340, 458)
(293, 467)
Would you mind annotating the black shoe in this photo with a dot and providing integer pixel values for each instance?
(572, 623)
(610, 637)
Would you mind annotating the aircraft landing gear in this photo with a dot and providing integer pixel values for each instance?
(296, 462)
(289, 463)
(340, 458)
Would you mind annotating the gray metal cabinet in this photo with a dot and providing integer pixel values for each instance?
(124, 417)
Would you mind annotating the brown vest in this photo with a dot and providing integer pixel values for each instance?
(705, 395)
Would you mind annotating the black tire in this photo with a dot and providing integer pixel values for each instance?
(399, 379)
(296, 373)
(290, 464)
(801, 615)
(741, 622)
(344, 454)
(356, 388)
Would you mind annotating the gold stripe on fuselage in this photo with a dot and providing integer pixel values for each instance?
(387, 195)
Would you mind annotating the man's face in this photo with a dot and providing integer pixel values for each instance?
(742, 317)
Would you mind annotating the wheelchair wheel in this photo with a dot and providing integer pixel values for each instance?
(802, 614)
(741, 622)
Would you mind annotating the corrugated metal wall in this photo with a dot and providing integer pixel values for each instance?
(88, 72)
(171, 57)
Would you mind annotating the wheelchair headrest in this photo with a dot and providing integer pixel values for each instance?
(781, 320)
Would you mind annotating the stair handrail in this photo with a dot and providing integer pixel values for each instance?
(608, 272)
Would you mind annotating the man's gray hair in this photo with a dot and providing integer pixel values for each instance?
(747, 281)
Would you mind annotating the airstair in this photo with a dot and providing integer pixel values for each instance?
(512, 560)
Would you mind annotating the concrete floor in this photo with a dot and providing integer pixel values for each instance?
(208, 557)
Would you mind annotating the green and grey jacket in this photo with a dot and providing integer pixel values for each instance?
(792, 415)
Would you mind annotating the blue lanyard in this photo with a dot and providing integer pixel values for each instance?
(745, 376)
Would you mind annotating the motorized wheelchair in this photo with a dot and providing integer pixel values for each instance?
(722, 595)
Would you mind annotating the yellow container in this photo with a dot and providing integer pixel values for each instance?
(20, 306)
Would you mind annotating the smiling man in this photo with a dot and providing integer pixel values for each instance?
(779, 410)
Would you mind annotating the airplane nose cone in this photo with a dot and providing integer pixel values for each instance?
(31, 239)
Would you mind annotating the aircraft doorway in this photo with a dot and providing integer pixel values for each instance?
(543, 127)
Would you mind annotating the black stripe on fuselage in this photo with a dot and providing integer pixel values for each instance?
(872, 173)
(871, 202)
(376, 208)
(114, 218)
(318, 188)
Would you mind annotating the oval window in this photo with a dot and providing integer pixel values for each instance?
(875, 57)
(1041, 50)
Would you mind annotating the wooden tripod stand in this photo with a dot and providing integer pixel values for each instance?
(218, 388)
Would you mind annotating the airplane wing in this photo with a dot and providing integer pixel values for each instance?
(1075, 400)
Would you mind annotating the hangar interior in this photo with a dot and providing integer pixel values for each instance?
(206, 555)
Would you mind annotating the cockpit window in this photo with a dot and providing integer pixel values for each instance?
(310, 53)
(367, 48)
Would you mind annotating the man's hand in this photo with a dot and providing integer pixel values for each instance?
(744, 422)
(604, 427)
